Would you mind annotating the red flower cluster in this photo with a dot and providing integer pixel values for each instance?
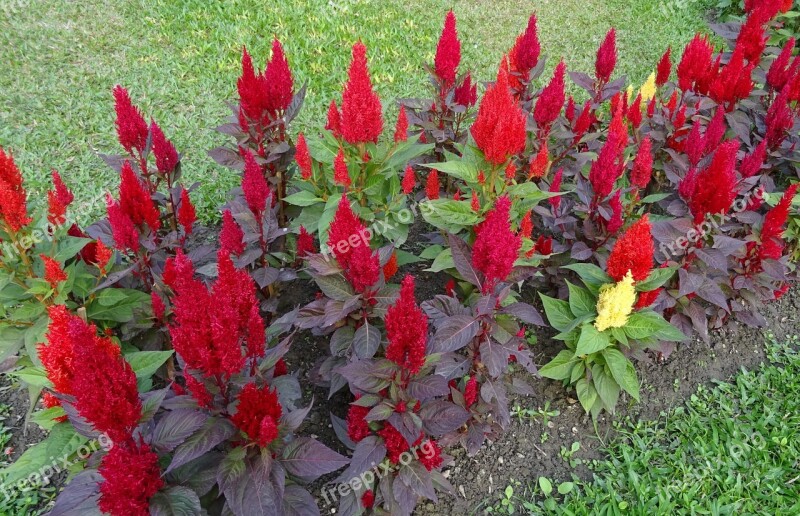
(471, 391)
(633, 252)
(131, 477)
(752, 163)
(643, 165)
(58, 199)
(278, 80)
(56, 354)
(781, 69)
(13, 209)
(555, 187)
(780, 119)
(361, 117)
(133, 212)
(303, 157)
(341, 176)
(606, 57)
(772, 244)
(525, 55)
(164, 150)
(499, 130)
(406, 330)
(258, 414)
(409, 180)
(348, 240)
(664, 68)
(334, 123)
(394, 441)
(131, 127)
(254, 185)
(262, 97)
(53, 273)
(548, 105)
(305, 243)
(448, 51)
(187, 215)
(695, 63)
(714, 188)
(496, 246)
(432, 185)
(609, 165)
(368, 499)
(432, 459)
(401, 129)
(467, 93)
(357, 426)
(231, 237)
(732, 82)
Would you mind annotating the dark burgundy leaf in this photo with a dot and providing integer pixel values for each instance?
(462, 258)
(428, 387)
(175, 501)
(494, 391)
(442, 417)
(340, 429)
(308, 459)
(80, 495)
(213, 432)
(298, 502)
(366, 341)
(453, 334)
(369, 452)
(415, 476)
(525, 313)
(175, 427)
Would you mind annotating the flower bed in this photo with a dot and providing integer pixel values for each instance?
(639, 217)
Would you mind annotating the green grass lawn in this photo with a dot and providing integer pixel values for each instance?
(180, 61)
(733, 449)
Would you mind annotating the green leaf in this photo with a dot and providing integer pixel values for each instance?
(619, 335)
(617, 364)
(62, 441)
(591, 341)
(655, 197)
(35, 376)
(560, 367)
(461, 169)
(146, 363)
(335, 287)
(116, 304)
(606, 387)
(69, 247)
(558, 312)
(327, 216)
(656, 279)
(431, 252)
(565, 488)
(581, 301)
(442, 262)
(545, 485)
(303, 198)
(11, 340)
(631, 383)
(587, 394)
(645, 324)
(449, 215)
(590, 273)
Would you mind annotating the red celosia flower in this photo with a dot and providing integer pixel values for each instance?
(252, 91)
(368, 499)
(643, 165)
(198, 391)
(606, 57)
(715, 131)
(57, 354)
(471, 391)
(401, 129)
(102, 256)
(715, 187)
(361, 117)
(104, 385)
(608, 167)
(341, 176)
(334, 123)
(496, 246)
(280, 369)
(164, 150)
(615, 222)
(278, 80)
(432, 185)
(135, 201)
(687, 184)
(123, 231)
(695, 62)
(131, 127)
(695, 145)
(511, 171)
(526, 225)
(466, 94)
(13, 209)
(540, 163)
(186, 212)
(646, 299)
(448, 51)
(357, 426)
(303, 157)
(651, 108)
(772, 245)
(527, 48)
(433, 458)
(409, 180)
(752, 37)
(305, 243)
(255, 187)
(258, 414)
(231, 238)
(780, 119)
(583, 122)
(569, 111)
(499, 130)
(548, 105)
(406, 330)
(58, 200)
(780, 70)
(633, 252)
(752, 163)
(394, 441)
(53, 273)
(361, 266)
(664, 68)
(634, 114)
(158, 306)
(390, 269)
(555, 187)
(131, 476)
(50, 401)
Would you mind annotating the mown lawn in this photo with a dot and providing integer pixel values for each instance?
(181, 59)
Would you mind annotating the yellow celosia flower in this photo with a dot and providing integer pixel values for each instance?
(615, 303)
(648, 90)
(630, 93)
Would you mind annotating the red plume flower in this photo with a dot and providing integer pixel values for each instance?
(278, 80)
(471, 391)
(255, 187)
(53, 273)
(102, 256)
(432, 459)
(664, 68)
(401, 129)
(303, 157)
(643, 165)
(607, 168)
(158, 306)
(715, 131)
(409, 180)
(341, 176)
(406, 330)
(475, 203)
(646, 299)
(606, 57)
(305, 243)
(231, 238)
(549, 104)
(131, 476)
(555, 187)
(252, 92)
(615, 222)
(13, 209)
(361, 117)
(780, 119)
(511, 171)
(357, 426)
(187, 215)
(499, 130)
(58, 199)
(496, 246)
(391, 267)
(527, 47)
(334, 123)
(715, 187)
(123, 231)
(540, 163)
(432, 185)
(695, 62)
(164, 150)
(56, 353)
(448, 51)
(633, 252)
(368, 499)
(772, 244)
(780, 71)
(258, 414)
(583, 122)
(526, 225)
(135, 201)
(466, 94)
(752, 163)
(348, 239)
(131, 127)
